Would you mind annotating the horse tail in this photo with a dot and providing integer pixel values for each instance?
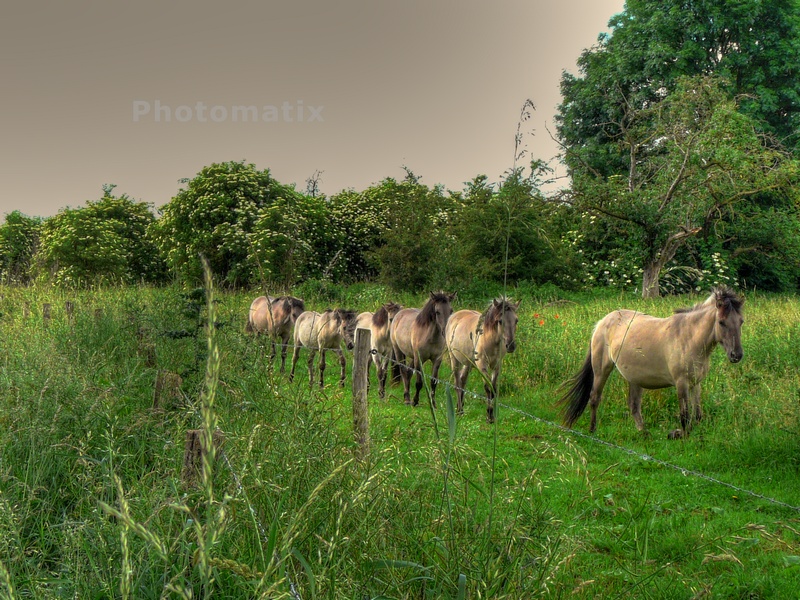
(577, 396)
(249, 327)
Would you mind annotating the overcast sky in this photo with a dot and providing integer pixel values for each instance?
(142, 94)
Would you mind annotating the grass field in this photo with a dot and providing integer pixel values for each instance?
(92, 504)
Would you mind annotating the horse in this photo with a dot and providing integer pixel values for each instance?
(419, 334)
(274, 316)
(320, 332)
(381, 343)
(653, 353)
(482, 340)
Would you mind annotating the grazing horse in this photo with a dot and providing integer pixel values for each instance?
(381, 343)
(322, 332)
(275, 317)
(419, 334)
(481, 340)
(652, 353)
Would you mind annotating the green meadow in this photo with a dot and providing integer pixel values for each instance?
(93, 503)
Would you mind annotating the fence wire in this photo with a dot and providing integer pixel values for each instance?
(579, 434)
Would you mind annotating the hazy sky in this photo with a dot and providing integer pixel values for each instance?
(142, 94)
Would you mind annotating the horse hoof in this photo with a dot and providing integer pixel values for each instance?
(675, 434)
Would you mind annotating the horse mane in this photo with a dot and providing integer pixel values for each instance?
(428, 312)
(722, 294)
(295, 302)
(381, 316)
(493, 315)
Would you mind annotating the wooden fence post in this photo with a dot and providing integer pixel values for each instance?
(193, 455)
(46, 313)
(26, 310)
(69, 308)
(167, 391)
(361, 358)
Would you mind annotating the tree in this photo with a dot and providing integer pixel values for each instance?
(607, 116)
(293, 240)
(502, 235)
(105, 241)
(214, 215)
(690, 159)
(19, 240)
(414, 248)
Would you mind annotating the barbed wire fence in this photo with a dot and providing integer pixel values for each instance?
(645, 458)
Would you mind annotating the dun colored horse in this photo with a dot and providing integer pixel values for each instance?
(320, 332)
(381, 343)
(275, 317)
(481, 340)
(419, 334)
(652, 353)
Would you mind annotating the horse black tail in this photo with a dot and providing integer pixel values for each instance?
(577, 397)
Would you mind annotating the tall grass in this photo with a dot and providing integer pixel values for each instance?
(92, 503)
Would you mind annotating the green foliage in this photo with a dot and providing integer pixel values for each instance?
(608, 121)
(415, 248)
(19, 240)
(105, 241)
(214, 215)
(506, 235)
(362, 219)
(293, 240)
(92, 504)
(692, 158)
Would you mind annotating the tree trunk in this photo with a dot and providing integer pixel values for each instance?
(650, 287)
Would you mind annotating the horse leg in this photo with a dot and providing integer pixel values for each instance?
(698, 409)
(295, 356)
(462, 374)
(311, 354)
(284, 349)
(322, 368)
(417, 366)
(602, 368)
(635, 404)
(382, 368)
(491, 393)
(405, 375)
(343, 363)
(434, 379)
(686, 422)
(273, 352)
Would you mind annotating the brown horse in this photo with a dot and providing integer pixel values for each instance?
(481, 340)
(419, 334)
(381, 343)
(320, 332)
(274, 317)
(652, 353)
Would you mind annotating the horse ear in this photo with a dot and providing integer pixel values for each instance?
(516, 306)
(495, 302)
(453, 296)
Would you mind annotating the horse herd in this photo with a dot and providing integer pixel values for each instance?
(409, 336)
(649, 352)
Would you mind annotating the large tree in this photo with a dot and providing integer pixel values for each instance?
(19, 240)
(612, 121)
(214, 215)
(104, 241)
(690, 159)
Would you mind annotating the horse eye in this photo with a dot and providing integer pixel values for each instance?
(722, 324)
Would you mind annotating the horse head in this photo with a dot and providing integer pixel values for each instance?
(729, 320)
(296, 307)
(346, 324)
(508, 321)
(438, 309)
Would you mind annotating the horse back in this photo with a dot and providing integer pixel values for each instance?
(400, 331)
(460, 335)
(645, 349)
(305, 329)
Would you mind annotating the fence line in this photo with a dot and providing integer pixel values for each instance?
(640, 455)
